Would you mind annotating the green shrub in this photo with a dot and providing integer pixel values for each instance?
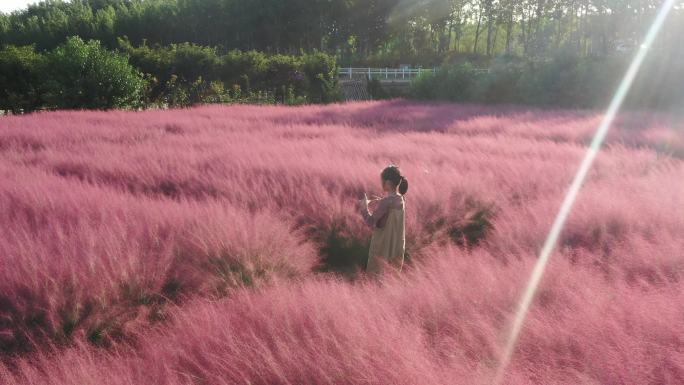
(289, 79)
(321, 73)
(85, 75)
(176, 94)
(82, 74)
(21, 77)
(501, 83)
(455, 83)
(243, 68)
(564, 80)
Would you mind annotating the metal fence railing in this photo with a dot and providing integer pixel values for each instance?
(383, 73)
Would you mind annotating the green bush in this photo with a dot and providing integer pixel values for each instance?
(289, 79)
(174, 65)
(321, 72)
(85, 75)
(456, 83)
(21, 77)
(562, 81)
(243, 68)
(176, 93)
(501, 84)
(82, 74)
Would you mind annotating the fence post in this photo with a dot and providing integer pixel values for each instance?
(350, 72)
(386, 73)
(403, 73)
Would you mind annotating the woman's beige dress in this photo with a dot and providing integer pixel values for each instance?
(387, 244)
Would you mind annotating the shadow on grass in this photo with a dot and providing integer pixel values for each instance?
(475, 225)
(466, 226)
(341, 252)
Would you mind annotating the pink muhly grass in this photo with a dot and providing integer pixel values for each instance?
(77, 257)
(441, 323)
(213, 219)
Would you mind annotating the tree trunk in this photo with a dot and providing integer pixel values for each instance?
(559, 36)
(522, 30)
(458, 31)
(477, 31)
(496, 36)
(489, 37)
(490, 24)
(509, 29)
(450, 32)
(537, 31)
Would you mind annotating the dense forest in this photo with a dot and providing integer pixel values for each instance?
(258, 50)
(383, 31)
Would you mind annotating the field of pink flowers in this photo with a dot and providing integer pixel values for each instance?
(222, 245)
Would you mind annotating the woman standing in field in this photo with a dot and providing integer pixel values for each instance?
(387, 220)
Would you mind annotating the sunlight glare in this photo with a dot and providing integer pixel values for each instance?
(574, 189)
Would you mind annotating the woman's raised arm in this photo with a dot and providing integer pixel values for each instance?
(379, 212)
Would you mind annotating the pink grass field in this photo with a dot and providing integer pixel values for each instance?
(222, 245)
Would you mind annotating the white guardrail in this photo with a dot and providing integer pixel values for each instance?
(384, 73)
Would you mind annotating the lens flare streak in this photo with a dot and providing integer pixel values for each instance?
(575, 186)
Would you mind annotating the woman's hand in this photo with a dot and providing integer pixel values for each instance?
(363, 203)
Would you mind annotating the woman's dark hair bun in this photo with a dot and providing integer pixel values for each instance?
(403, 186)
(392, 174)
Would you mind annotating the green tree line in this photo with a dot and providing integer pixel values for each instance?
(80, 74)
(379, 32)
(560, 52)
